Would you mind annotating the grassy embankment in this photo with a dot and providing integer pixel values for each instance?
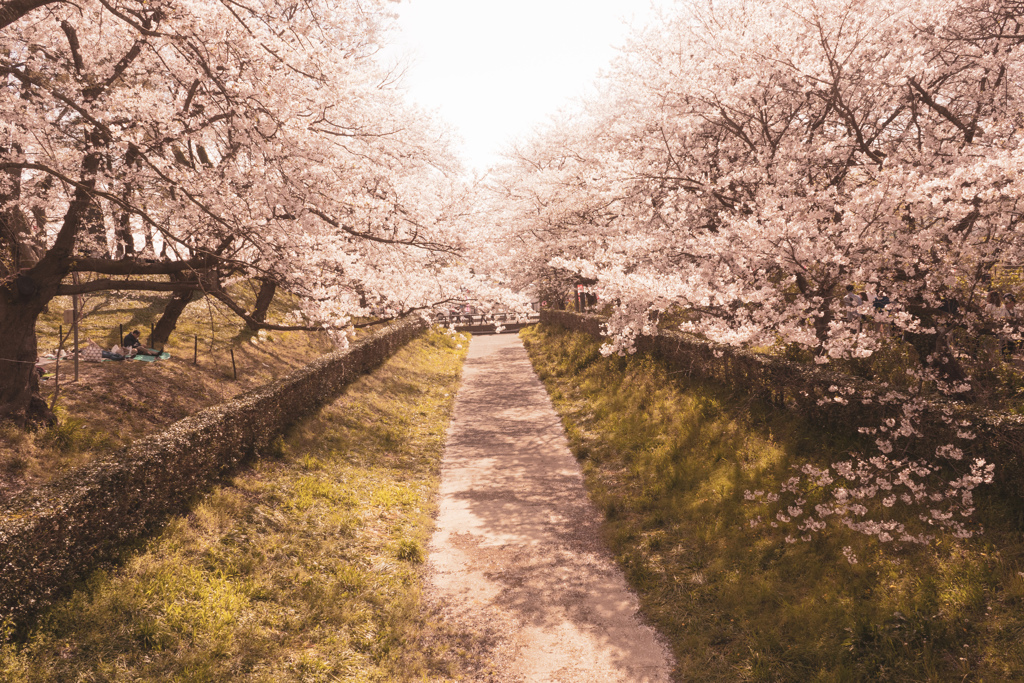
(114, 403)
(307, 568)
(668, 461)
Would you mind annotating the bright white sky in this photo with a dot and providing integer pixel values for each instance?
(494, 69)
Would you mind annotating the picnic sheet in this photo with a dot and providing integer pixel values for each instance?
(149, 359)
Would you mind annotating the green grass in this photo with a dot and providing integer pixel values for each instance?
(307, 568)
(668, 461)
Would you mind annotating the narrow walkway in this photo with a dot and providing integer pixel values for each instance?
(517, 551)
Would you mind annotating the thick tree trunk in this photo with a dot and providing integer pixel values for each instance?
(12, 10)
(934, 349)
(822, 323)
(263, 300)
(20, 306)
(125, 242)
(169, 320)
(23, 296)
(15, 229)
(22, 299)
(936, 353)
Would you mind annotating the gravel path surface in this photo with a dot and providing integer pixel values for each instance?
(517, 554)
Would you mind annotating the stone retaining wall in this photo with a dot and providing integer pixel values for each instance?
(53, 535)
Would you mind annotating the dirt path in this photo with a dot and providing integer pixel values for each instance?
(517, 551)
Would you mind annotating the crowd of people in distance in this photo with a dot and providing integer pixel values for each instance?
(1001, 306)
(855, 304)
(1000, 313)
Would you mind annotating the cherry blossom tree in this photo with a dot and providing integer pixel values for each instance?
(177, 145)
(746, 161)
(751, 159)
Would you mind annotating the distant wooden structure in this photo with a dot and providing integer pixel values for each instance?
(476, 323)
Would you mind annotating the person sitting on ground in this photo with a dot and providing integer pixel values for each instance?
(131, 341)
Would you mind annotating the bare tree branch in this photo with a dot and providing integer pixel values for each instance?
(968, 131)
(130, 266)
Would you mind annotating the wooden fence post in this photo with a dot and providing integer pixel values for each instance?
(77, 308)
(56, 368)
